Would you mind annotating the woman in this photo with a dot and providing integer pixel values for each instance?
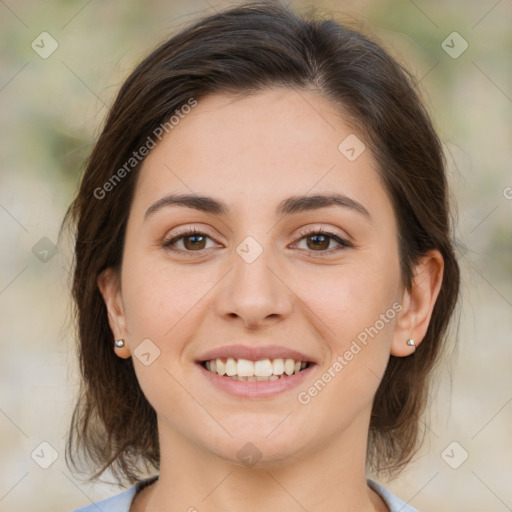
(264, 271)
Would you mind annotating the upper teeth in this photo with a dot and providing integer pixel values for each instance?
(262, 368)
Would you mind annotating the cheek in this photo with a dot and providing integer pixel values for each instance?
(358, 311)
(348, 299)
(157, 296)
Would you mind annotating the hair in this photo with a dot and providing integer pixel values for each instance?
(244, 50)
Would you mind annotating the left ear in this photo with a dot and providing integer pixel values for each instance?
(418, 303)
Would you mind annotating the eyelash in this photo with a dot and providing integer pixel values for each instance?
(343, 244)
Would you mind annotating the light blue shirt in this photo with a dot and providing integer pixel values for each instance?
(121, 502)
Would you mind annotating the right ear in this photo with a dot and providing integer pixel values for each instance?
(109, 285)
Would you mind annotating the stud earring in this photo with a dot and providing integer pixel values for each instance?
(119, 343)
(411, 343)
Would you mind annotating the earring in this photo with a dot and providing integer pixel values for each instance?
(119, 343)
(411, 343)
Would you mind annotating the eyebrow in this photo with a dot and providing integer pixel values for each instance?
(294, 204)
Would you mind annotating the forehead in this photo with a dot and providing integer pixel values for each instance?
(260, 148)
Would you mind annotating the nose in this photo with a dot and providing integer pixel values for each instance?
(255, 292)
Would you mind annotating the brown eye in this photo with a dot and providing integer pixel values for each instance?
(192, 241)
(320, 241)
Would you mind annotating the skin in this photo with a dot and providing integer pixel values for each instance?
(312, 456)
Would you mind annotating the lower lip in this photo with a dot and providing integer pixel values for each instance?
(255, 389)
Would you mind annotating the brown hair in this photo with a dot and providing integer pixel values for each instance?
(243, 50)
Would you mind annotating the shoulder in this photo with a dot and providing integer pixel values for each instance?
(394, 503)
(120, 502)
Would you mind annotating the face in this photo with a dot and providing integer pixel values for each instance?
(264, 277)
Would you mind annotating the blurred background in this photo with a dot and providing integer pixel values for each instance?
(62, 63)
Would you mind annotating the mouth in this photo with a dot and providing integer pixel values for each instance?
(255, 379)
(255, 371)
(262, 370)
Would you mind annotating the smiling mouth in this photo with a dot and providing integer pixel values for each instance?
(263, 370)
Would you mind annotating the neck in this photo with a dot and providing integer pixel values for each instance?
(330, 476)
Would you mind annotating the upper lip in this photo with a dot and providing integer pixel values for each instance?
(254, 353)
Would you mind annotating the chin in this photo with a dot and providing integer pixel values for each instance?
(255, 448)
